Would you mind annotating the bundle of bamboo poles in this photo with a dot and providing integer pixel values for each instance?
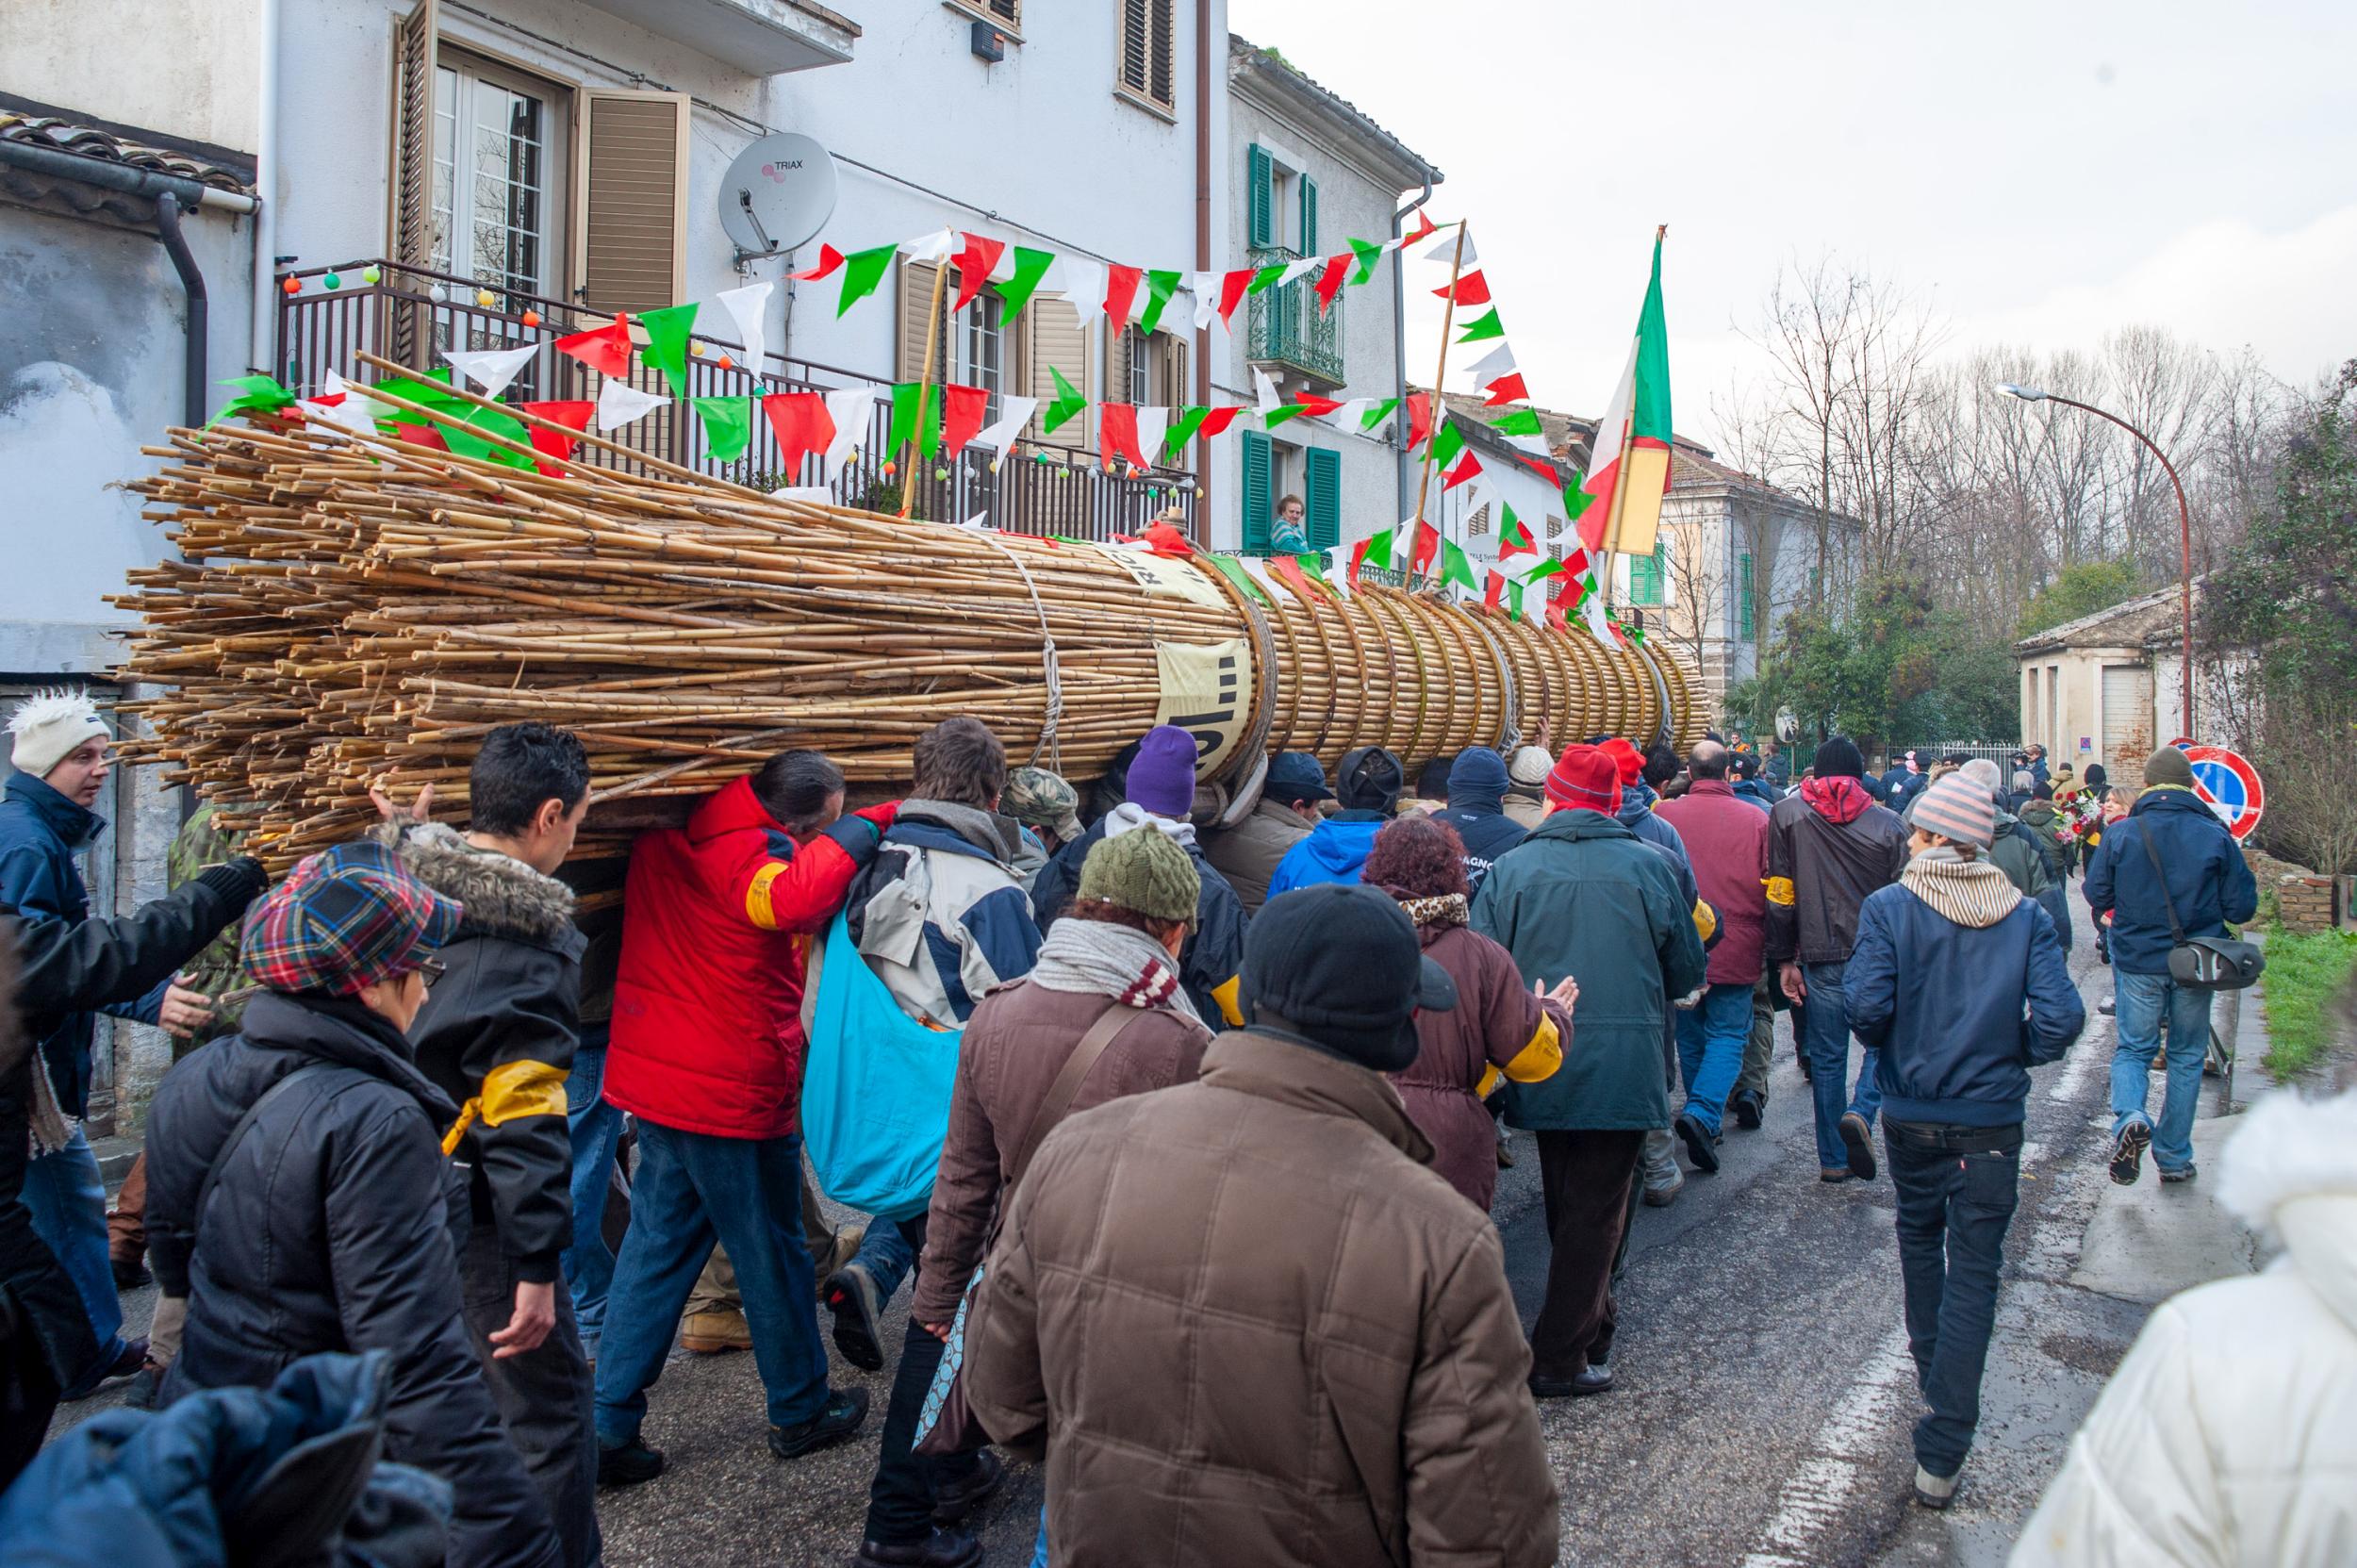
(352, 609)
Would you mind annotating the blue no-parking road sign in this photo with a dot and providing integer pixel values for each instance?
(2227, 782)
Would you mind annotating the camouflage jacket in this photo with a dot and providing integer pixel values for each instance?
(217, 969)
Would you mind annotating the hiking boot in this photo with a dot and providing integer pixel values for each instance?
(2128, 1152)
(941, 1549)
(628, 1463)
(851, 1293)
(1834, 1175)
(1858, 1139)
(955, 1503)
(1935, 1492)
(715, 1333)
(1749, 1109)
(837, 1419)
(1699, 1141)
(2185, 1173)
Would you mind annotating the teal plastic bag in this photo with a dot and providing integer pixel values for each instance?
(875, 1089)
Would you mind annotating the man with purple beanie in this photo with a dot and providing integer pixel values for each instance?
(1160, 795)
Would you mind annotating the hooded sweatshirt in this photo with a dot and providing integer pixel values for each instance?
(1476, 809)
(1335, 852)
(1829, 846)
(1946, 964)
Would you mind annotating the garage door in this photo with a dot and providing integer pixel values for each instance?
(2127, 718)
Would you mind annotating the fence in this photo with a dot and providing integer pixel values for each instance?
(409, 314)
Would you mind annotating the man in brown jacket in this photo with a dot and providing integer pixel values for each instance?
(1259, 1327)
(1247, 854)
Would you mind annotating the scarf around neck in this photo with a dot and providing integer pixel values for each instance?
(1445, 909)
(1973, 893)
(1130, 815)
(1098, 958)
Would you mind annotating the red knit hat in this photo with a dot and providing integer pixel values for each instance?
(1626, 757)
(1586, 778)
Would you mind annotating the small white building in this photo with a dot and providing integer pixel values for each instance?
(2108, 687)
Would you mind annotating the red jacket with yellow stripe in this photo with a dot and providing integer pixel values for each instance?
(717, 918)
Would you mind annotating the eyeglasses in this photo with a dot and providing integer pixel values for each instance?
(431, 970)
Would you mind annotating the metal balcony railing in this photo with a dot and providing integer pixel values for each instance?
(1289, 330)
(398, 315)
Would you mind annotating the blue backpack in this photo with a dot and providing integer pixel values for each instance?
(875, 1089)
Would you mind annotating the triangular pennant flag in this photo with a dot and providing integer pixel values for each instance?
(1067, 404)
(1485, 325)
(1575, 499)
(962, 411)
(1427, 546)
(1158, 288)
(604, 349)
(1467, 468)
(1446, 443)
(1205, 286)
(1513, 536)
(1445, 250)
(491, 369)
(1600, 625)
(1470, 289)
(934, 245)
(1082, 281)
(1523, 421)
(1184, 425)
(1315, 405)
(728, 426)
(1031, 266)
(1545, 569)
(1298, 269)
(1264, 280)
(256, 394)
(1118, 433)
(1273, 410)
(1493, 591)
(829, 259)
(1153, 425)
(1373, 418)
(1121, 293)
(1375, 550)
(1424, 225)
(1419, 418)
(915, 416)
(619, 403)
(1231, 291)
(666, 342)
(420, 435)
(1013, 414)
(1505, 389)
(851, 409)
(574, 414)
(1497, 362)
(1366, 253)
(1232, 569)
(975, 262)
(801, 425)
(1330, 281)
(1215, 422)
(749, 307)
(862, 272)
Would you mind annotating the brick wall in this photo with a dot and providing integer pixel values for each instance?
(2305, 902)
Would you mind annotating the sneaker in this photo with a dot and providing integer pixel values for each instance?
(941, 1549)
(715, 1333)
(130, 1274)
(955, 1503)
(1662, 1187)
(1699, 1141)
(2183, 1174)
(851, 1293)
(1858, 1139)
(628, 1463)
(2108, 1006)
(837, 1419)
(1749, 1111)
(2128, 1152)
(1935, 1491)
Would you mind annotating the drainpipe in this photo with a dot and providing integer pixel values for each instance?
(1203, 252)
(192, 376)
(1399, 331)
(262, 339)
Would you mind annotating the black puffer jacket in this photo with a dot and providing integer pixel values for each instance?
(498, 1035)
(1211, 962)
(62, 967)
(330, 1228)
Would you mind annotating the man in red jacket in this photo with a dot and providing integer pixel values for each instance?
(1727, 838)
(707, 1052)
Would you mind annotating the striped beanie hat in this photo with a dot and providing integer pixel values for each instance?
(1958, 808)
(1585, 777)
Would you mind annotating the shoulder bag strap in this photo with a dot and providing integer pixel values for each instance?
(2175, 930)
(1101, 1035)
(236, 1136)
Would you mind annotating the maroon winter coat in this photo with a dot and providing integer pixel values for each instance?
(1498, 1026)
(1726, 838)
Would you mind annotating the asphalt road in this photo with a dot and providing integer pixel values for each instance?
(1764, 1396)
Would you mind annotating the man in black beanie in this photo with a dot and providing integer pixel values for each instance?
(1829, 846)
(1249, 1431)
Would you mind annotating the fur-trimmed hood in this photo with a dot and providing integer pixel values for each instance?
(2291, 1174)
(502, 896)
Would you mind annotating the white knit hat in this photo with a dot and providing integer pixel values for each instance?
(48, 725)
(1531, 766)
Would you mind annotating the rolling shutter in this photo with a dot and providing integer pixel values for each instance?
(633, 200)
(2127, 716)
(1260, 199)
(1257, 450)
(409, 216)
(1053, 337)
(1308, 245)
(1322, 496)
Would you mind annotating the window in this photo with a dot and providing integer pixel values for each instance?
(1744, 609)
(1477, 526)
(1135, 374)
(1647, 575)
(496, 140)
(1307, 243)
(1261, 198)
(1147, 38)
(632, 197)
(981, 350)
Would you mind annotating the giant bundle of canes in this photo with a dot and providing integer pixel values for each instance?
(352, 609)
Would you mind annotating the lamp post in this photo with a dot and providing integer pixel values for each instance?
(2184, 525)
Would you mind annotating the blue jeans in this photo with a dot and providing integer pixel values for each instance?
(1711, 1037)
(1039, 1554)
(691, 1189)
(596, 1130)
(887, 1256)
(1956, 1189)
(2141, 1001)
(67, 1198)
(1828, 1043)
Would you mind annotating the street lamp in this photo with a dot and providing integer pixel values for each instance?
(2184, 524)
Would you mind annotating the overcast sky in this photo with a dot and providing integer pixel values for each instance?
(2041, 173)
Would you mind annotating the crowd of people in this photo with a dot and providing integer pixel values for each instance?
(1183, 1136)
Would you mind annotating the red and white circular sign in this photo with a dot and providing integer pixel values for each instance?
(2229, 785)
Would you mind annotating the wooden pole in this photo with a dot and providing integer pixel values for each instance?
(924, 389)
(1439, 405)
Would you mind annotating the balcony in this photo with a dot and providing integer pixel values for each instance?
(1040, 489)
(761, 37)
(1289, 332)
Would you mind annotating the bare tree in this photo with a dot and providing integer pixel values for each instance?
(1696, 580)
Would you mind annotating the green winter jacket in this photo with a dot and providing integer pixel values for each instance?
(1585, 897)
(218, 970)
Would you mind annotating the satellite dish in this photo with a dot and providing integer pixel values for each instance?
(777, 195)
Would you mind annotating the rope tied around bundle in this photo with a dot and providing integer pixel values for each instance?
(1048, 741)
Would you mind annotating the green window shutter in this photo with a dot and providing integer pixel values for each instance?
(1321, 494)
(1644, 577)
(1309, 216)
(1259, 199)
(1744, 609)
(1257, 452)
